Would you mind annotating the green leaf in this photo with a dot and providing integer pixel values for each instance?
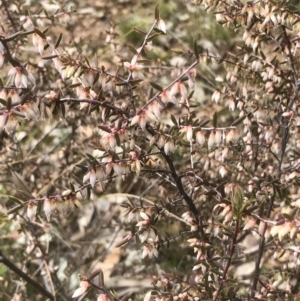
(25, 97)
(237, 201)
(262, 55)
(159, 31)
(174, 120)
(136, 81)
(45, 30)
(156, 13)
(88, 192)
(37, 31)
(153, 36)
(215, 119)
(117, 137)
(19, 183)
(204, 123)
(104, 128)
(63, 111)
(191, 95)
(72, 187)
(288, 217)
(93, 159)
(74, 85)
(178, 51)
(49, 57)
(14, 209)
(143, 61)
(139, 30)
(11, 197)
(39, 208)
(132, 49)
(239, 120)
(3, 102)
(196, 51)
(33, 20)
(87, 61)
(156, 86)
(8, 104)
(12, 37)
(58, 41)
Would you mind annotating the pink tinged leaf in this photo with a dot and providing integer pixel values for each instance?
(211, 140)
(109, 167)
(117, 169)
(189, 133)
(24, 80)
(47, 208)
(137, 167)
(31, 210)
(18, 80)
(41, 45)
(86, 177)
(218, 137)
(143, 236)
(169, 147)
(127, 65)
(165, 96)
(112, 141)
(12, 71)
(35, 42)
(135, 120)
(200, 138)
(216, 96)
(3, 119)
(83, 105)
(144, 216)
(142, 121)
(155, 252)
(100, 174)
(150, 116)
(175, 89)
(136, 74)
(223, 171)
(145, 251)
(161, 141)
(147, 296)
(103, 297)
(191, 83)
(2, 59)
(83, 287)
(161, 25)
(93, 177)
(183, 90)
(155, 109)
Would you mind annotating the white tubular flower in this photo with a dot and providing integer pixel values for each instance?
(39, 43)
(20, 77)
(135, 70)
(161, 25)
(83, 287)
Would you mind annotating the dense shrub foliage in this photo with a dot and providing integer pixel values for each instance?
(151, 149)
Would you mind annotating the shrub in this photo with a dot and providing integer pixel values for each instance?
(159, 160)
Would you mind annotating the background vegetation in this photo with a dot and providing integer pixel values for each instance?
(149, 151)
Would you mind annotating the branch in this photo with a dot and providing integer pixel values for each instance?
(232, 248)
(172, 83)
(284, 142)
(24, 276)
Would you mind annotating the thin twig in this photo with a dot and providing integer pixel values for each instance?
(24, 276)
(232, 248)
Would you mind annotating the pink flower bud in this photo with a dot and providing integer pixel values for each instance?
(200, 138)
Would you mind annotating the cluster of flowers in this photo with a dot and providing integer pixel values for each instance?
(61, 202)
(146, 233)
